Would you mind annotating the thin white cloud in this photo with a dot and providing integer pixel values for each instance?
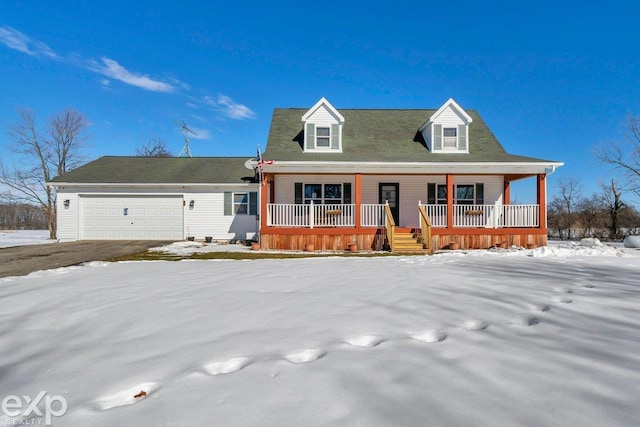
(19, 41)
(201, 134)
(229, 108)
(234, 110)
(112, 69)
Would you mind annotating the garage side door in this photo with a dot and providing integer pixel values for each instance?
(131, 218)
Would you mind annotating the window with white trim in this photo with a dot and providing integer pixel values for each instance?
(449, 138)
(242, 203)
(323, 137)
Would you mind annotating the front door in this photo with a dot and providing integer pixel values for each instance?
(390, 192)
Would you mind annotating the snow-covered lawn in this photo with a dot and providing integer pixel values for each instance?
(548, 337)
(24, 237)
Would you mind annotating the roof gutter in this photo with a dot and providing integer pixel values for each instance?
(147, 184)
(409, 167)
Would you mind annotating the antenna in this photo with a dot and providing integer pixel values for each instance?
(185, 150)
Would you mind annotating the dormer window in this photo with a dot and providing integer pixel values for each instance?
(447, 130)
(450, 138)
(323, 137)
(322, 125)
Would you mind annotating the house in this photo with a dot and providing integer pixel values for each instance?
(153, 198)
(408, 180)
(405, 180)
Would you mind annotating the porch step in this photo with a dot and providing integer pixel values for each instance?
(407, 241)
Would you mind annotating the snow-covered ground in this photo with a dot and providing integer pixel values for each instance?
(544, 337)
(24, 237)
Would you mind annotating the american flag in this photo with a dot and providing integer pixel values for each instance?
(261, 161)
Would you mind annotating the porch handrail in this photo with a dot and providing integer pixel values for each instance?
(425, 227)
(390, 225)
(310, 215)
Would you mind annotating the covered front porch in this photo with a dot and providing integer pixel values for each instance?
(401, 221)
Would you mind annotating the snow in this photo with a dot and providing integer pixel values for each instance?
(503, 337)
(10, 238)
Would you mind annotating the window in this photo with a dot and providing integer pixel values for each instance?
(312, 192)
(465, 194)
(323, 193)
(450, 137)
(241, 203)
(323, 137)
(442, 194)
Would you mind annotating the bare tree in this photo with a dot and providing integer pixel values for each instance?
(153, 147)
(624, 155)
(40, 156)
(570, 190)
(614, 205)
(589, 214)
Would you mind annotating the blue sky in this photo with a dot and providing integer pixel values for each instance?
(550, 79)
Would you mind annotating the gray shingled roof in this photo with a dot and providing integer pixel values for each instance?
(381, 136)
(160, 170)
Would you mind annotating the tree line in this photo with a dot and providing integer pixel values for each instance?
(22, 216)
(604, 214)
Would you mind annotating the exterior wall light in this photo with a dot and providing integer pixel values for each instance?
(66, 203)
(192, 204)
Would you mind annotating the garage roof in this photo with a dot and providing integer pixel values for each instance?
(160, 170)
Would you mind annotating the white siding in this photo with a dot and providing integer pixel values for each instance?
(323, 117)
(449, 117)
(207, 217)
(67, 219)
(411, 189)
(285, 184)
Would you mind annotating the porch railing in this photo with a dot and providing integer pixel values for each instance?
(311, 215)
(485, 216)
(373, 215)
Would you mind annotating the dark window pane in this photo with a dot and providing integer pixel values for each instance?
(333, 191)
(312, 191)
(464, 194)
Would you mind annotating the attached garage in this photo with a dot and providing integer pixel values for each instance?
(140, 217)
(158, 198)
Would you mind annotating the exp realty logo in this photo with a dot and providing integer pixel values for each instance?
(25, 410)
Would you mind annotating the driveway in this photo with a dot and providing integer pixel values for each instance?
(21, 260)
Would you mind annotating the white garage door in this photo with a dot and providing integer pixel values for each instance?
(131, 218)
